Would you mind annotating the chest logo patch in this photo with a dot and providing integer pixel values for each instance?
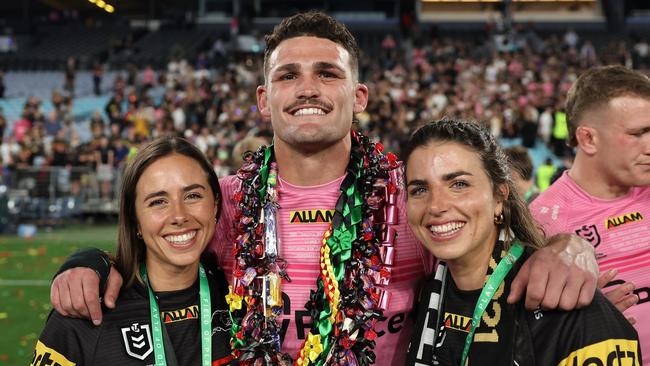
(458, 322)
(221, 321)
(613, 222)
(137, 340)
(589, 233)
(190, 312)
(318, 216)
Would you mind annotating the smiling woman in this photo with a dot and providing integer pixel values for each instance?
(463, 208)
(172, 308)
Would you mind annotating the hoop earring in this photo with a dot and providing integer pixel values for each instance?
(139, 235)
(498, 219)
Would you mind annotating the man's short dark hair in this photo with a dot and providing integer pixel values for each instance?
(312, 24)
(520, 161)
(596, 87)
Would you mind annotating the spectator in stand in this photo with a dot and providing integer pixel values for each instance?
(545, 125)
(22, 127)
(544, 174)
(9, 150)
(148, 78)
(114, 111)
(62, 163)
(97, 125)
(119, 85)
(3, 124)
(52, 123)
(70, 74)
(121, 151)
(98, 74)
(560, 133)
(131, 74)
(588, 57)
(105, 159)
(2, 84)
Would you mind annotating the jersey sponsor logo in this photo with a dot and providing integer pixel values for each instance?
(190, 312)
(137, 340)
(590, 233)
(612, 352)
(613, 222)
(457, 322)
(318, 216)
(302, 321)
(46, 356)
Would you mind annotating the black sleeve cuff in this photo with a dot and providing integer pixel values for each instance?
(92, 258)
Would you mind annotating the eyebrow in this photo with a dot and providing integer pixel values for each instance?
(445, 177)
(294, 67)
(191, 187)
(416, 182)
(320, 65)
(456, 174)
(644, 129)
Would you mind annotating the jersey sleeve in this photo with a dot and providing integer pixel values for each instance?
(92, 258)
(550, 212)
(596, 335)
(66, 342)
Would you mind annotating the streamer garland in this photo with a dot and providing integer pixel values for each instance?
(355, 263)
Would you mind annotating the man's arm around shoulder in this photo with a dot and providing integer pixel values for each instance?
(75, 291)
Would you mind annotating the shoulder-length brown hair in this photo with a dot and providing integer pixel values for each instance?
(130, 248)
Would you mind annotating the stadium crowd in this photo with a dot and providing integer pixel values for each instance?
(516, 86)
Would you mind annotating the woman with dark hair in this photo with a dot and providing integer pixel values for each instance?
(463, 207)
(172, 309)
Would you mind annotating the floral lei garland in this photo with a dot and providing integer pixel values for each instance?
(356, 255)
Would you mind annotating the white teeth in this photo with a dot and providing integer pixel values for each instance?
(181, 238)
(309, 112)
(448, 228)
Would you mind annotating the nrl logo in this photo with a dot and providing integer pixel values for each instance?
(590, 233)
(137, 340)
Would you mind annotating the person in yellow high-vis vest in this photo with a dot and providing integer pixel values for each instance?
(544, 174)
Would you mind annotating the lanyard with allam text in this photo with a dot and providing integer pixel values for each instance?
(492, 284)
(205, 309)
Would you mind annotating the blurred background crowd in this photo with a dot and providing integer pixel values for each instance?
(70, 123)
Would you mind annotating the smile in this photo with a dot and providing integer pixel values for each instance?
(309, 112)
(181, 239)
(447, 229)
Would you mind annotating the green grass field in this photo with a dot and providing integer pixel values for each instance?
(26, 268)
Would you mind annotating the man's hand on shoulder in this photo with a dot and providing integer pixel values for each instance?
(561, 275)
(621, 295)
(76, 289)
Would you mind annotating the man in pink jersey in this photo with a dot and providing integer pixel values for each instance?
(605, 196)
(319, 173)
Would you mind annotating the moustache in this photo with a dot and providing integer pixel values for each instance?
(311, 102)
